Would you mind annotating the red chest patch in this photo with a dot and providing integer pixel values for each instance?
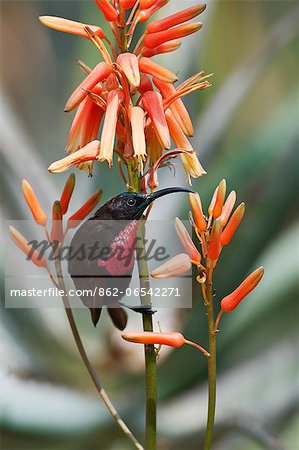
(121, 260)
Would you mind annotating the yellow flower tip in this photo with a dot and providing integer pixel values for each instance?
(138, 135)
(33, 204)
(174, 267)
(150, 338)
(21, 242)
(87, 153)
(231, 301)
(129, 64)
(196, 207)
(186, 241)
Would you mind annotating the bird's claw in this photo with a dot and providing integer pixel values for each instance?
(146, 309)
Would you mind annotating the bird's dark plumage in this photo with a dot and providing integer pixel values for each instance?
(111, 230)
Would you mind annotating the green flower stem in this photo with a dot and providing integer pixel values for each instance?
(149, 350)
(103, 394)
(212, 373)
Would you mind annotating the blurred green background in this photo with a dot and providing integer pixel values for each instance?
(246, 131)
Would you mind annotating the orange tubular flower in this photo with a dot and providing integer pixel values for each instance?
(167, 47)
(228, 207)
(174, 267)
(109, 127)
(231, 227)
(34, 205)
(155, 39)
(67, 193)
(196, 207)
(175, 19)
(99, 73)
(110, 13)
(177, 107)
(86, 122)
(215, 246)
(85, 210)
(138, 135)
(186, 241)
(171, 339)
(219, 200)
(152, 103)
(23, 245)
(70, 26)
(231, 301)
(129, 64)
(56, 234)
(87, 153)
(151, 68)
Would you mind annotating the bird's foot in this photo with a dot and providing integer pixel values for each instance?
(142, 309)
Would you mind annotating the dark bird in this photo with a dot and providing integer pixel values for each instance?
(103, 248)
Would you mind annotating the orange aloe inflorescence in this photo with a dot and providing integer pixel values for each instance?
(130, 100)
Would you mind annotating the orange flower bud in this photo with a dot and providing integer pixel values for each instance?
(152, 103)
(228, 207)
(87, 153)
(174, 267)
(56, 230)
(145, 14)
(167, 47)
(67, 193)
(148, 66)
(186, 241)
(129, 64)
(99, 73)
(212, 204)
(231, 301)
(232, 225)
(138, 136)
(127, 4)
(86, 209)
(23, 245)
(70, 26)
(155, 39)
(217, 209)
(175, 19)
(109, 12)
(109, 127)
(196, 207)
(145, 4)
(214, 246)
(34, 205)
(171, 339)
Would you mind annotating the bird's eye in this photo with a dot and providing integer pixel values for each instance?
(131, 202)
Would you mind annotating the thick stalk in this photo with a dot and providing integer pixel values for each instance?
(149, 350)
(84, 357)
(212, 373)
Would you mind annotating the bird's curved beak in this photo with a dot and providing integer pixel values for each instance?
(151, 197)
